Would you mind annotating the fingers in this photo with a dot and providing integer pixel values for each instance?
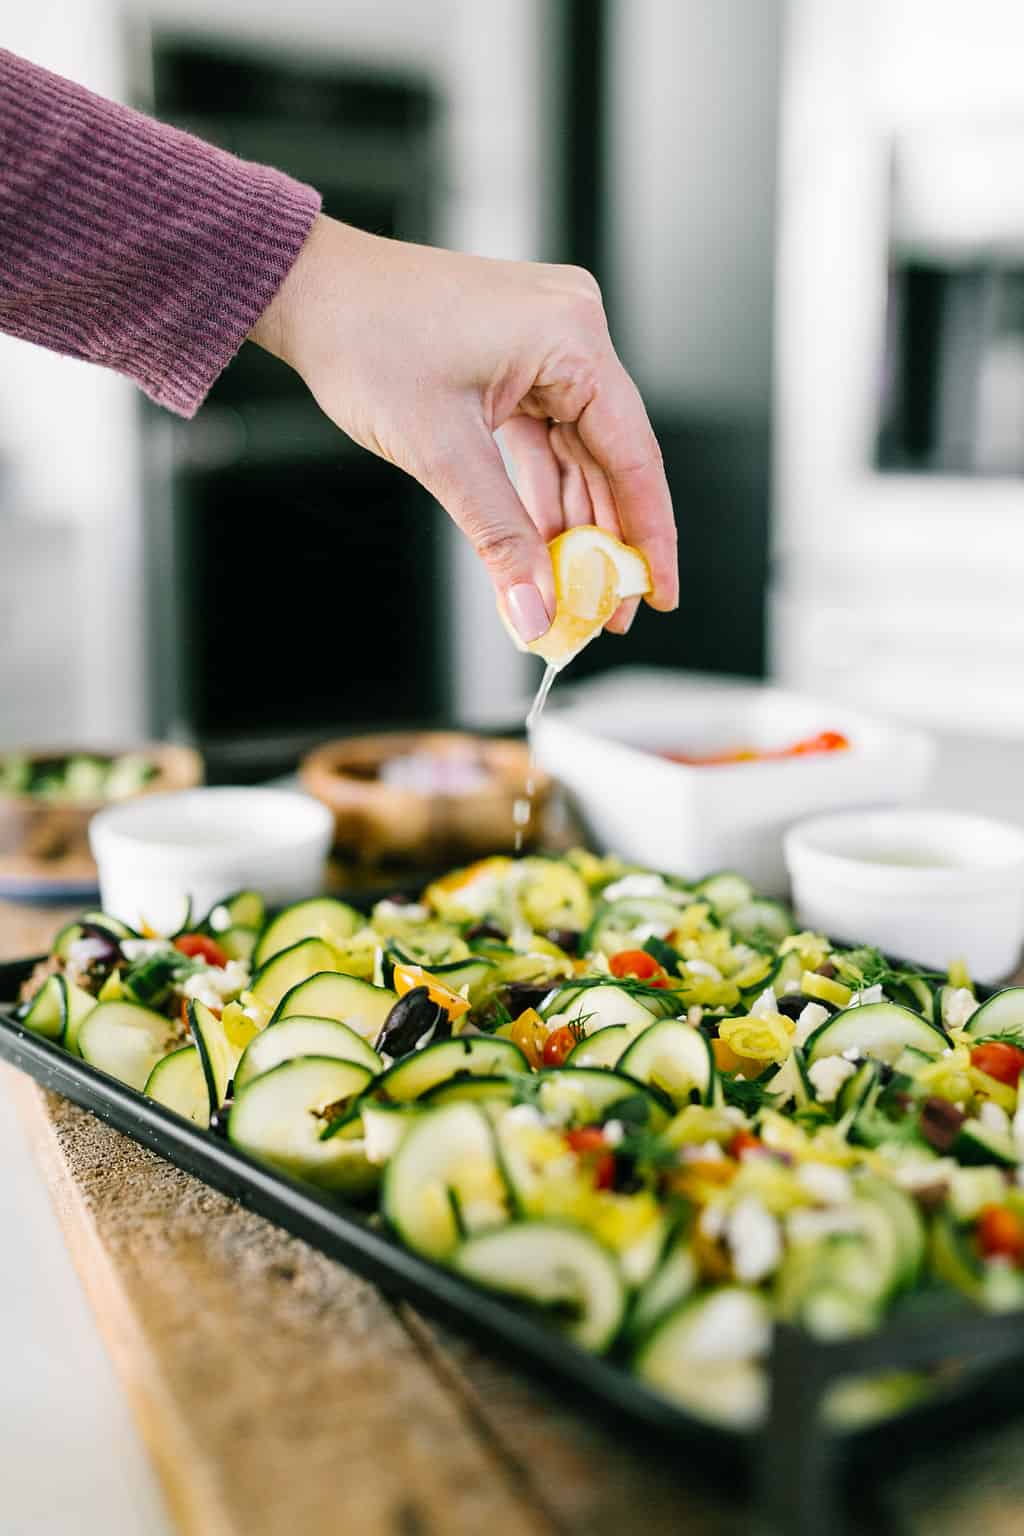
(573, 455)
(614, 428)
(471, 484)
(538, 474)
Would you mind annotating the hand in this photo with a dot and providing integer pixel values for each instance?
(421, 355)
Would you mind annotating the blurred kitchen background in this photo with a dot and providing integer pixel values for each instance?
(808, 222)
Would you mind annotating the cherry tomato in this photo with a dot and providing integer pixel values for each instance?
(590, 1146)
(744, 1142)
(1000, 1234)
(634, 962)
(1000, 1060)
(199, 946)
(558, 1045)
(529, 1032)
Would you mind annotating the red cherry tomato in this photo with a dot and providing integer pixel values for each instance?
(1000, 1234)
(198, 946)
(558, 1045)
(635, 962)
(744, 1142)
(589, 1145)
(999, 1060)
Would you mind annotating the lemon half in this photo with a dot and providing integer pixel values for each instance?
(593, 574)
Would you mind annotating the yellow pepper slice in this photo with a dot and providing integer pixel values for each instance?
(758, 1039)
(407, 977)
(825, 988)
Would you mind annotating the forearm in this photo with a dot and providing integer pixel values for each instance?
(131, 244)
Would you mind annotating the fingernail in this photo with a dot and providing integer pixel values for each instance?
(526, 609)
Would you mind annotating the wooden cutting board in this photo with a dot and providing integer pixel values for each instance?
(277, 1391)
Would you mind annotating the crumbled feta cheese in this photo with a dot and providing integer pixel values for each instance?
(808, 1021)
(792, 985)
(708, 1151)
(82, 954)
(766, 1006)
(401, 911)
(958, 1003)
(868, 995)
(634, 885)
(852, 1053)
(218, 984)
(712, 1222)
(914, 1173)
(694, 1014)
(754, 1239)
(827, 1184)
(142, 949)
(828, 1075)
(704, 968)
(644, 931)
(994, 1118)
(219, 919)
(614, 1131)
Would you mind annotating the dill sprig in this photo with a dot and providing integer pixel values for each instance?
(868, 967)
(629, 984)
(749, 1094)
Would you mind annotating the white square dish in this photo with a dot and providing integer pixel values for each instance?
(603, 745)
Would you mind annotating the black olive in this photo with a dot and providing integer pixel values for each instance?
(566, 938)
(940, 1123)
(486, 931)
(414, 1018)
(111, 952)
(524, 994)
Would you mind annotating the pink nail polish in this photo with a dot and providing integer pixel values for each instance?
(526, 609)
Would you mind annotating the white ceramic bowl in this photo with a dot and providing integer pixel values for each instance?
(603, 747)
(929, 886)
(156, 853)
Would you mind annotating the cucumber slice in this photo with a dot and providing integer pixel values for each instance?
(1002, 1014)
(561, 1269)
(599, 1008)
(239, 943)
(486, 1089)
(73, 931)
(674, 1279)
(921, 996)
(433, 946)
(319, 918)
(384, 1125)
(466, 1055)
(726, 892)
(298, 1036)
(47, 1012)
(630, 921)
(126, 1041)
(281, 1117)
(583, 1095)
(309, 957)
(79, 1004)
(244, 909)
(760, 921)
(220, 1048)
(905, 1219)
(443, 1180)
(881, 1030)
(604, 1048)
(674, 1057)
(706, 1355)
(178, 1082)
(978, 1143)
(346, 999)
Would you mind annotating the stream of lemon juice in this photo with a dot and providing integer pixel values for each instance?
(522, 810)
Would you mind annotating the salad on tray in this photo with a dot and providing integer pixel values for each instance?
(647, 1108)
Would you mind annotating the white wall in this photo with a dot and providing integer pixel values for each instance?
(693, 132)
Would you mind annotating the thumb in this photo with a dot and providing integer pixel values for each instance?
(474, 488)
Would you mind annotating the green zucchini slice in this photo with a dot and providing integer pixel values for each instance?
(726, 892)
(322, 917)
(287, 969)
(346, 999)
(178, 1082)
(1002, 1014)
(596, 1008)
(444, 1180)
(881, 1030)
(46, 1013)
(126, 1041)
(243, 909)
(78, 1004)
(760, 921)
(603, 1048)
(282, 1117)
(584, 1095)
(448, 1060)
(674, 1057)
(219, 1053)
(558, 1268)
(706, 1354)
(299, 1036)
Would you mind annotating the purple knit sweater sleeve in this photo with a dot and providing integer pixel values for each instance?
(132, 244)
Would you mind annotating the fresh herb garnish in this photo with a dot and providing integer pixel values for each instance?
(667, 957)
(868, 967)
(746, 1093)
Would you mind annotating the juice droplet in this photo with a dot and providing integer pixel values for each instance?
(522, 810)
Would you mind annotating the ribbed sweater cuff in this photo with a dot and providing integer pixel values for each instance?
(132, 244)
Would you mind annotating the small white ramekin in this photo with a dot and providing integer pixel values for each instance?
(156, 853)
(928, 886)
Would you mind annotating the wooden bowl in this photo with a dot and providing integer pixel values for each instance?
(377, 820)
(43, 843)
